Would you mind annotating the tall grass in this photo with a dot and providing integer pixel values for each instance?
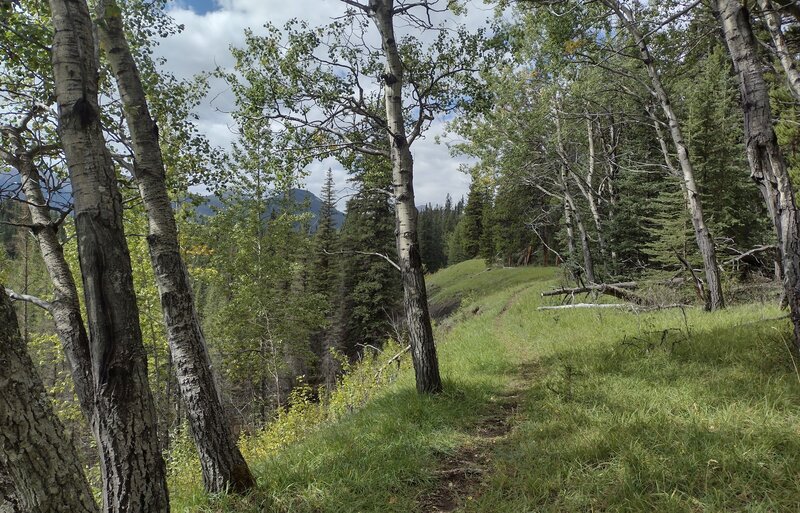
(663, 411)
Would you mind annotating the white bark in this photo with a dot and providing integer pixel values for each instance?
(426, 365)
(222, 463)
(132, 468)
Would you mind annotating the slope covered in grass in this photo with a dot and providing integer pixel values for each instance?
(615, 411)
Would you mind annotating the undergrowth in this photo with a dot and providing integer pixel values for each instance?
(676, 410)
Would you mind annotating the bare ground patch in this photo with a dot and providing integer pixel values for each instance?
(461, 475)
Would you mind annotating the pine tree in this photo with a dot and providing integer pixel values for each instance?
(323, 266)
(369, 293)
(714, 134)
(472, 222)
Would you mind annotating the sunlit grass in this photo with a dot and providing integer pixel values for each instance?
(663, 411)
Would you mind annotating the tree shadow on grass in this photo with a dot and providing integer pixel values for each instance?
(707, 425)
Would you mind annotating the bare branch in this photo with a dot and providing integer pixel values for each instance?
(41, 303)
(381, 255)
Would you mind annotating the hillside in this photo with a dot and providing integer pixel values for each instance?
(548, 411)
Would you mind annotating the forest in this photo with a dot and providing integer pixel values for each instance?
(606, 318)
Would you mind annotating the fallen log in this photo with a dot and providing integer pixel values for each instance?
(618, 290)
(586, 305)
(625, 306)
(589, 288)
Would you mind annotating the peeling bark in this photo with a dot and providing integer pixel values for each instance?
(767, 165)
(223, 465)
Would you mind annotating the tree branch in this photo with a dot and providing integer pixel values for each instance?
(368, 253)
(30, 299)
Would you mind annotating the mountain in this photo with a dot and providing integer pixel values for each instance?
(208, 205)
(211, 204)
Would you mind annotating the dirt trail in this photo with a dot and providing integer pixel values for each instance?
(461, 476)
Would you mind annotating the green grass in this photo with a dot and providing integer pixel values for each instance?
(616, 414)
(472, 280)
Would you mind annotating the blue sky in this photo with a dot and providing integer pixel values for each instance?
(201, 6)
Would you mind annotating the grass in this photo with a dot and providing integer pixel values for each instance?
(663, 411)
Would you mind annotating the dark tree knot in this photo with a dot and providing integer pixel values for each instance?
(389, 78)
(83, 111)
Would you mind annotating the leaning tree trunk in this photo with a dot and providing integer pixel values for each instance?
(423, 348)
(705, 242)
(65, 307)
(773, 18)
(571, 212)
(767, 165)
(223, 465)
(132, 468)
(43, 466)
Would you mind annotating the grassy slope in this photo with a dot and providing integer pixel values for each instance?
(610, 419)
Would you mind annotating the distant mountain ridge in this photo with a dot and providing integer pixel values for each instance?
(207, 207)
(212, 203)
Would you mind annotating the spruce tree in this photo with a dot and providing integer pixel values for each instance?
(472, 222)
(323, 267)
(369, 292)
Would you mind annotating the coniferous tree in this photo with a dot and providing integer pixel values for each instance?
(323, 267)
(473, 218)
(369, 292)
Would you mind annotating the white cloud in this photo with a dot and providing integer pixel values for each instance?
(205, 45)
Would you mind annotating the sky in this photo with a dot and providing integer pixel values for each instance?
(213, 26)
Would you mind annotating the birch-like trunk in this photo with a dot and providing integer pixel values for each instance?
(612, 172)
(705, 242)
(423, 348)
(65, 306)
(773, 18)
(767, 165)
(571, 212)
(43, 466)
(223, 465)
(132, 468)
(570, 208)
(591, 193)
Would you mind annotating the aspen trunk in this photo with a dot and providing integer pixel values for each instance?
(65, 307)
(222, 463)
(570, 213)
(570, 229)
(591, 194)
(44, 468)
(570, 208)
(415, 299)
(705, 242)
(131, 464)
(767, 165)
(773, 18)
(588, 261)
(612, 172)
